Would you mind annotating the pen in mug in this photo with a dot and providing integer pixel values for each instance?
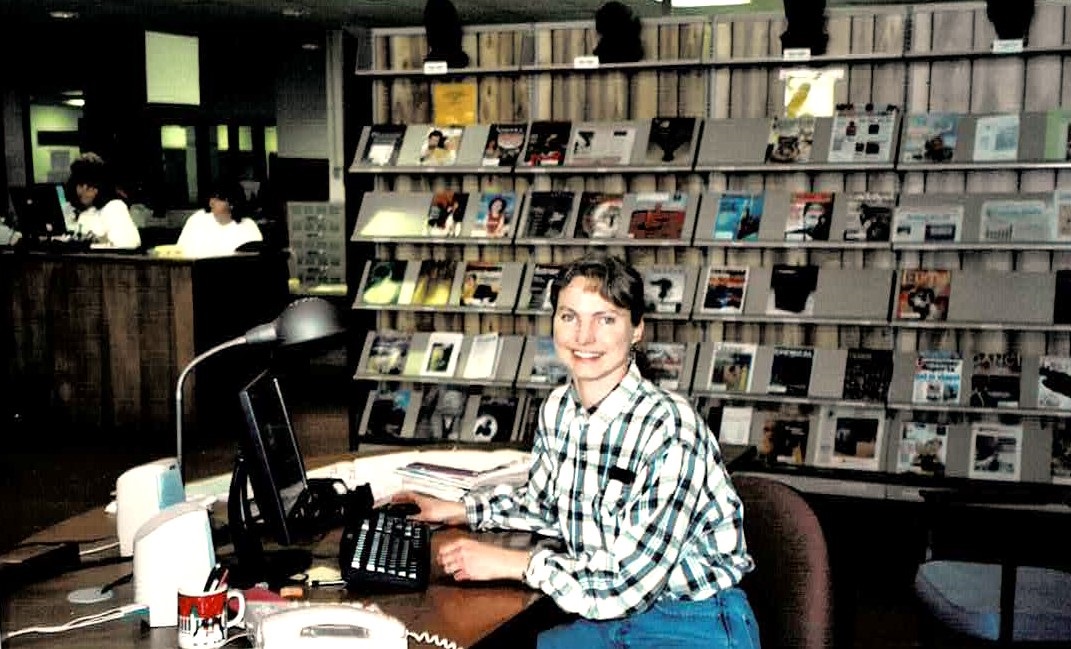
(213, 574)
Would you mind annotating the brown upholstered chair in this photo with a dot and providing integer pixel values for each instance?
(790, 589)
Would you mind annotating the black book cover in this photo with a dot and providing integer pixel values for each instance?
(995, 380)
(792, 288)
(504, 145)
(1062, 305)
(548, 213)
(784, 440)
(547, 142)
(386, 417)
(600, 215)
(867, 374)
(384, 142)
(542, 276)
(790, 372)
(670, 141)
(494, 419)
(440, 412)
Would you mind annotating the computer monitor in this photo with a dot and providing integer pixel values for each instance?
(39, 210)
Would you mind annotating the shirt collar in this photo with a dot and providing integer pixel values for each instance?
(617, 400)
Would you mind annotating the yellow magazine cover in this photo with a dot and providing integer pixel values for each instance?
(453, 103)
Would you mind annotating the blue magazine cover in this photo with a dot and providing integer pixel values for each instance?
(738, 217)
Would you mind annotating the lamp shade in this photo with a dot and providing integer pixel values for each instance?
(301, 321)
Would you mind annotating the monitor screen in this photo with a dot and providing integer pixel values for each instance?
(39, 210)
(276, 469)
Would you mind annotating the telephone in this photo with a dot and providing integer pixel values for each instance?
(327, 626)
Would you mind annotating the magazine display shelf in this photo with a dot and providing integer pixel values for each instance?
(924, 58)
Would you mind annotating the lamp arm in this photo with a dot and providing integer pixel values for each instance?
(234, 342)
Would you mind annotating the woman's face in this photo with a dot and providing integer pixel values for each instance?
(496, 206)
(593, 337)
(220, 209)
(86, 194)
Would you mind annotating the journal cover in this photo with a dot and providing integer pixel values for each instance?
(547, 143)
(930, 137)
(504, 145)
(494, 421)
(663, 288)
(731, 368)
(387, 408)
(441, 354)
(548, 213)
(442, 408)
(809, 216)
(481, 284)
(664, 363)
(494, 220)
(869, 216)
(434, 282)
(1061, 313)
(440, 146)
(384, 142)
(784, 440)
(1054, 382)
(670, 141)
(725, 290)
(1004, 221)
(790, 372)
(483, 356)
(738, 217)
(792, 290)
(546, 368)
(996, 138)
(922, 448)
(867, 373)
(937, 377)
(862, 137)
(599, 216)
(388, 352)
(384, 282)
(924, 294)
(599, 145)
(851, 438)
(996, 451)
(791, 140)
(446, 213)
(927, 223)
(538, 292)
(1061, 452)
(995, 380)
(657, 215)
(1058, 134)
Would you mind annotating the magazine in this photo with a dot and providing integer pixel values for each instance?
(784, 439)
(440, 146)
(1058, 134)
(791, 140)
(1061, 452)
(851, 438)
(869, 216)
(790, 371)
(453, 103)
(1062, 214)
(734, 424)
(995, 380)
(922, 448)
(924, 294)
(792, 290)
(539, 287)
(504, 145)
(530, 424)
(481, 284)
(738, 217)
(862, 137)
(937, 377)
(547, 142)
(725, 290)
(495, 420)
(657, 215)
(546, 367)
(548, 213)
(445, 214)
(996, 138)
(483, 356)
(919, 223)
(600, 215)
(597, 145)
(434, 283)
(996, 451)
(867, 374)
(384, 142)
(1016, 220)
(930, 137)
(731, 368)
(494, 219)
(663, 289)
(1061, 308)
(809, 216)
(441, 353)
(665, 362)
(1054, 382)
(384, 282)
(670, 141)
(440, 413)
(388, 352)
(387, 410)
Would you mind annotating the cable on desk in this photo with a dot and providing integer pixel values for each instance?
(234, 637)
(110, 615)
(432, 639)
(29, 544)
(101, 548)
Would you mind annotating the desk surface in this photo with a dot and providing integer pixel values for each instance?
(437, 610)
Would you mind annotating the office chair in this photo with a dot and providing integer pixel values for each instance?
(791, 588)
(974, 588)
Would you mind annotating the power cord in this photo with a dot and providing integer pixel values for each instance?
(102, 548)
(432, 639)
(122, 612)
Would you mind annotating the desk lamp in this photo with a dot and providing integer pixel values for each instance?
(302, 321)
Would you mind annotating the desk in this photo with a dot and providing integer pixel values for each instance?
(465, 614)
(94, 342)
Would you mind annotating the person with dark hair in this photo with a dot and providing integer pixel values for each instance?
(436, 150)
(99, 214)
(629, 478)
(221, 229)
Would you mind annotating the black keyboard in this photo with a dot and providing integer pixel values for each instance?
(385, 552)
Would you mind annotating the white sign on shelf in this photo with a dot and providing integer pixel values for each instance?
(586, 62)
(1008, 46)
(435, 67)
(796, 54)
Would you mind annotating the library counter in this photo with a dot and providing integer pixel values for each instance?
(96, 341)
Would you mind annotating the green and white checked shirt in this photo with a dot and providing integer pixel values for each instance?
(638, 492)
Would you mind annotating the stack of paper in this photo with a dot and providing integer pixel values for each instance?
(451, 476)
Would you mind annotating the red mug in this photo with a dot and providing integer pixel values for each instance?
(203, 620)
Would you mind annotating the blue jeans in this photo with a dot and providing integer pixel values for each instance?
(723, 621)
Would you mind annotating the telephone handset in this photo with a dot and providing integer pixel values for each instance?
(327, 626)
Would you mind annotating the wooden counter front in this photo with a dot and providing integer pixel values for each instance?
(95, 342)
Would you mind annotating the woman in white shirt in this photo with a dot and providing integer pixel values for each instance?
(218, 231)
(99, 214)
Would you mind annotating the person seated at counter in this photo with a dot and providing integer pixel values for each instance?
(219, 230)
(98, 214)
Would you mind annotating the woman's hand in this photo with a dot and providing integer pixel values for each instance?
(472, 560)
(433, 510)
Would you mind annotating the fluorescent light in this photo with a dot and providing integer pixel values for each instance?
(294, 11)
(63, 15)
(77, 103)
(706, 3)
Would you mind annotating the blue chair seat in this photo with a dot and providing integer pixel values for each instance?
(966, 597)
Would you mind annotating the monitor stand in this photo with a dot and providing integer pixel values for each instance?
(251, 564)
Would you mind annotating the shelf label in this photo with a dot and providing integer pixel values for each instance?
(586, 62)
(435, 67)
(796, 54)
(1007, 46)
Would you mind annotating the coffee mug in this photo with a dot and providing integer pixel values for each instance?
(203, 617)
